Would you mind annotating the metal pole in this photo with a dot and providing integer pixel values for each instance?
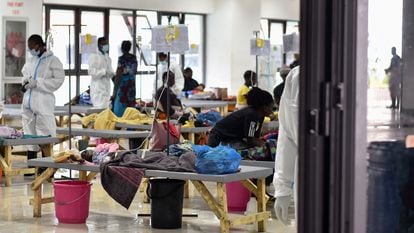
(257, 71)
(168, 97)
(256, 35)
(168, 105)
(70, 95)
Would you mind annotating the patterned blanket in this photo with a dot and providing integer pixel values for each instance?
(121, 176)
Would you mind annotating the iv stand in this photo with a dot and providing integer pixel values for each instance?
(70, 80)
(168, 96)
(256, 35)
(70, 85)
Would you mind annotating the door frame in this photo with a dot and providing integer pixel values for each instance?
(332, 123)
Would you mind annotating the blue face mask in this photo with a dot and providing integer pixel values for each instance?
(34, 53)
(105, 48)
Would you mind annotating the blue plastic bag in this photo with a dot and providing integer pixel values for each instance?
(200, 149)
(210, 118)
(218, 160)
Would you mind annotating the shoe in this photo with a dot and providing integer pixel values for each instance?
(391, 106)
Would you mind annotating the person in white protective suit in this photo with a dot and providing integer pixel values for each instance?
(100, 69)
(287, 147)
(175, 68)
(42, 75)
(1, 108)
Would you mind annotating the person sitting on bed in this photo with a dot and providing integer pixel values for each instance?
(175, 107)
(241, 129)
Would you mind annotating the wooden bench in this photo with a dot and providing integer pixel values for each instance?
(13, 111)
(268, 164)
(190, 131)
(46, 145)
(81, 110)
(114, 135)
(217, 205)
(207, 104)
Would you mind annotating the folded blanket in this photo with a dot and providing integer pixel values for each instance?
(121, 176)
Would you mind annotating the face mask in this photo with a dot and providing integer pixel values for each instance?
(34, 53)
(105, 48)
(163, 63)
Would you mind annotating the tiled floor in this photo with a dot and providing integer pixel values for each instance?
(383, 123)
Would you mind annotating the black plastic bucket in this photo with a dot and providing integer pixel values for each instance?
(390, 187)
(166, 203)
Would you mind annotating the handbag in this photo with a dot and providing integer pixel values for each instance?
(158, 141)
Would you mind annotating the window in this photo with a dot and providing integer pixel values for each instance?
(194, 58)
(274, 31)
(147, 59)
(59, 19)
(122, 26)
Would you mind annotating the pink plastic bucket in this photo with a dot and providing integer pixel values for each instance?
(72, 201)
(237, 196)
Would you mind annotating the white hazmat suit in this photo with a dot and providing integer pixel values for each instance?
(287, 146)
(100, 69)
(179, 78)
(1, 108)
(44, 76)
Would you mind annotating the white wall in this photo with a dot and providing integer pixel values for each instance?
(31, 10)
(193, 6)
(280, 9)
(229, 29)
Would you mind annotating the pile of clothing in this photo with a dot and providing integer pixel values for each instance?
(8, 132)
(107, 119)
(101, 154)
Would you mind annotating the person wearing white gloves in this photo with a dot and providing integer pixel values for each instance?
(287, 147)
(42, 75)
(175, 68)
(100, 69)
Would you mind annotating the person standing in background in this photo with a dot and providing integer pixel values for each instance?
(295, 62)
(175, 68)
(42, 75)
(124, 83)
(394, 72)
(101, 73)
(278, 90)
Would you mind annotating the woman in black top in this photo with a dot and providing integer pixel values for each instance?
(241, 129)
(161, 96)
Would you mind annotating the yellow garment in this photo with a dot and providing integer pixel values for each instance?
(267, 119)
(107, 119)
(188, 124)
(242, 95)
